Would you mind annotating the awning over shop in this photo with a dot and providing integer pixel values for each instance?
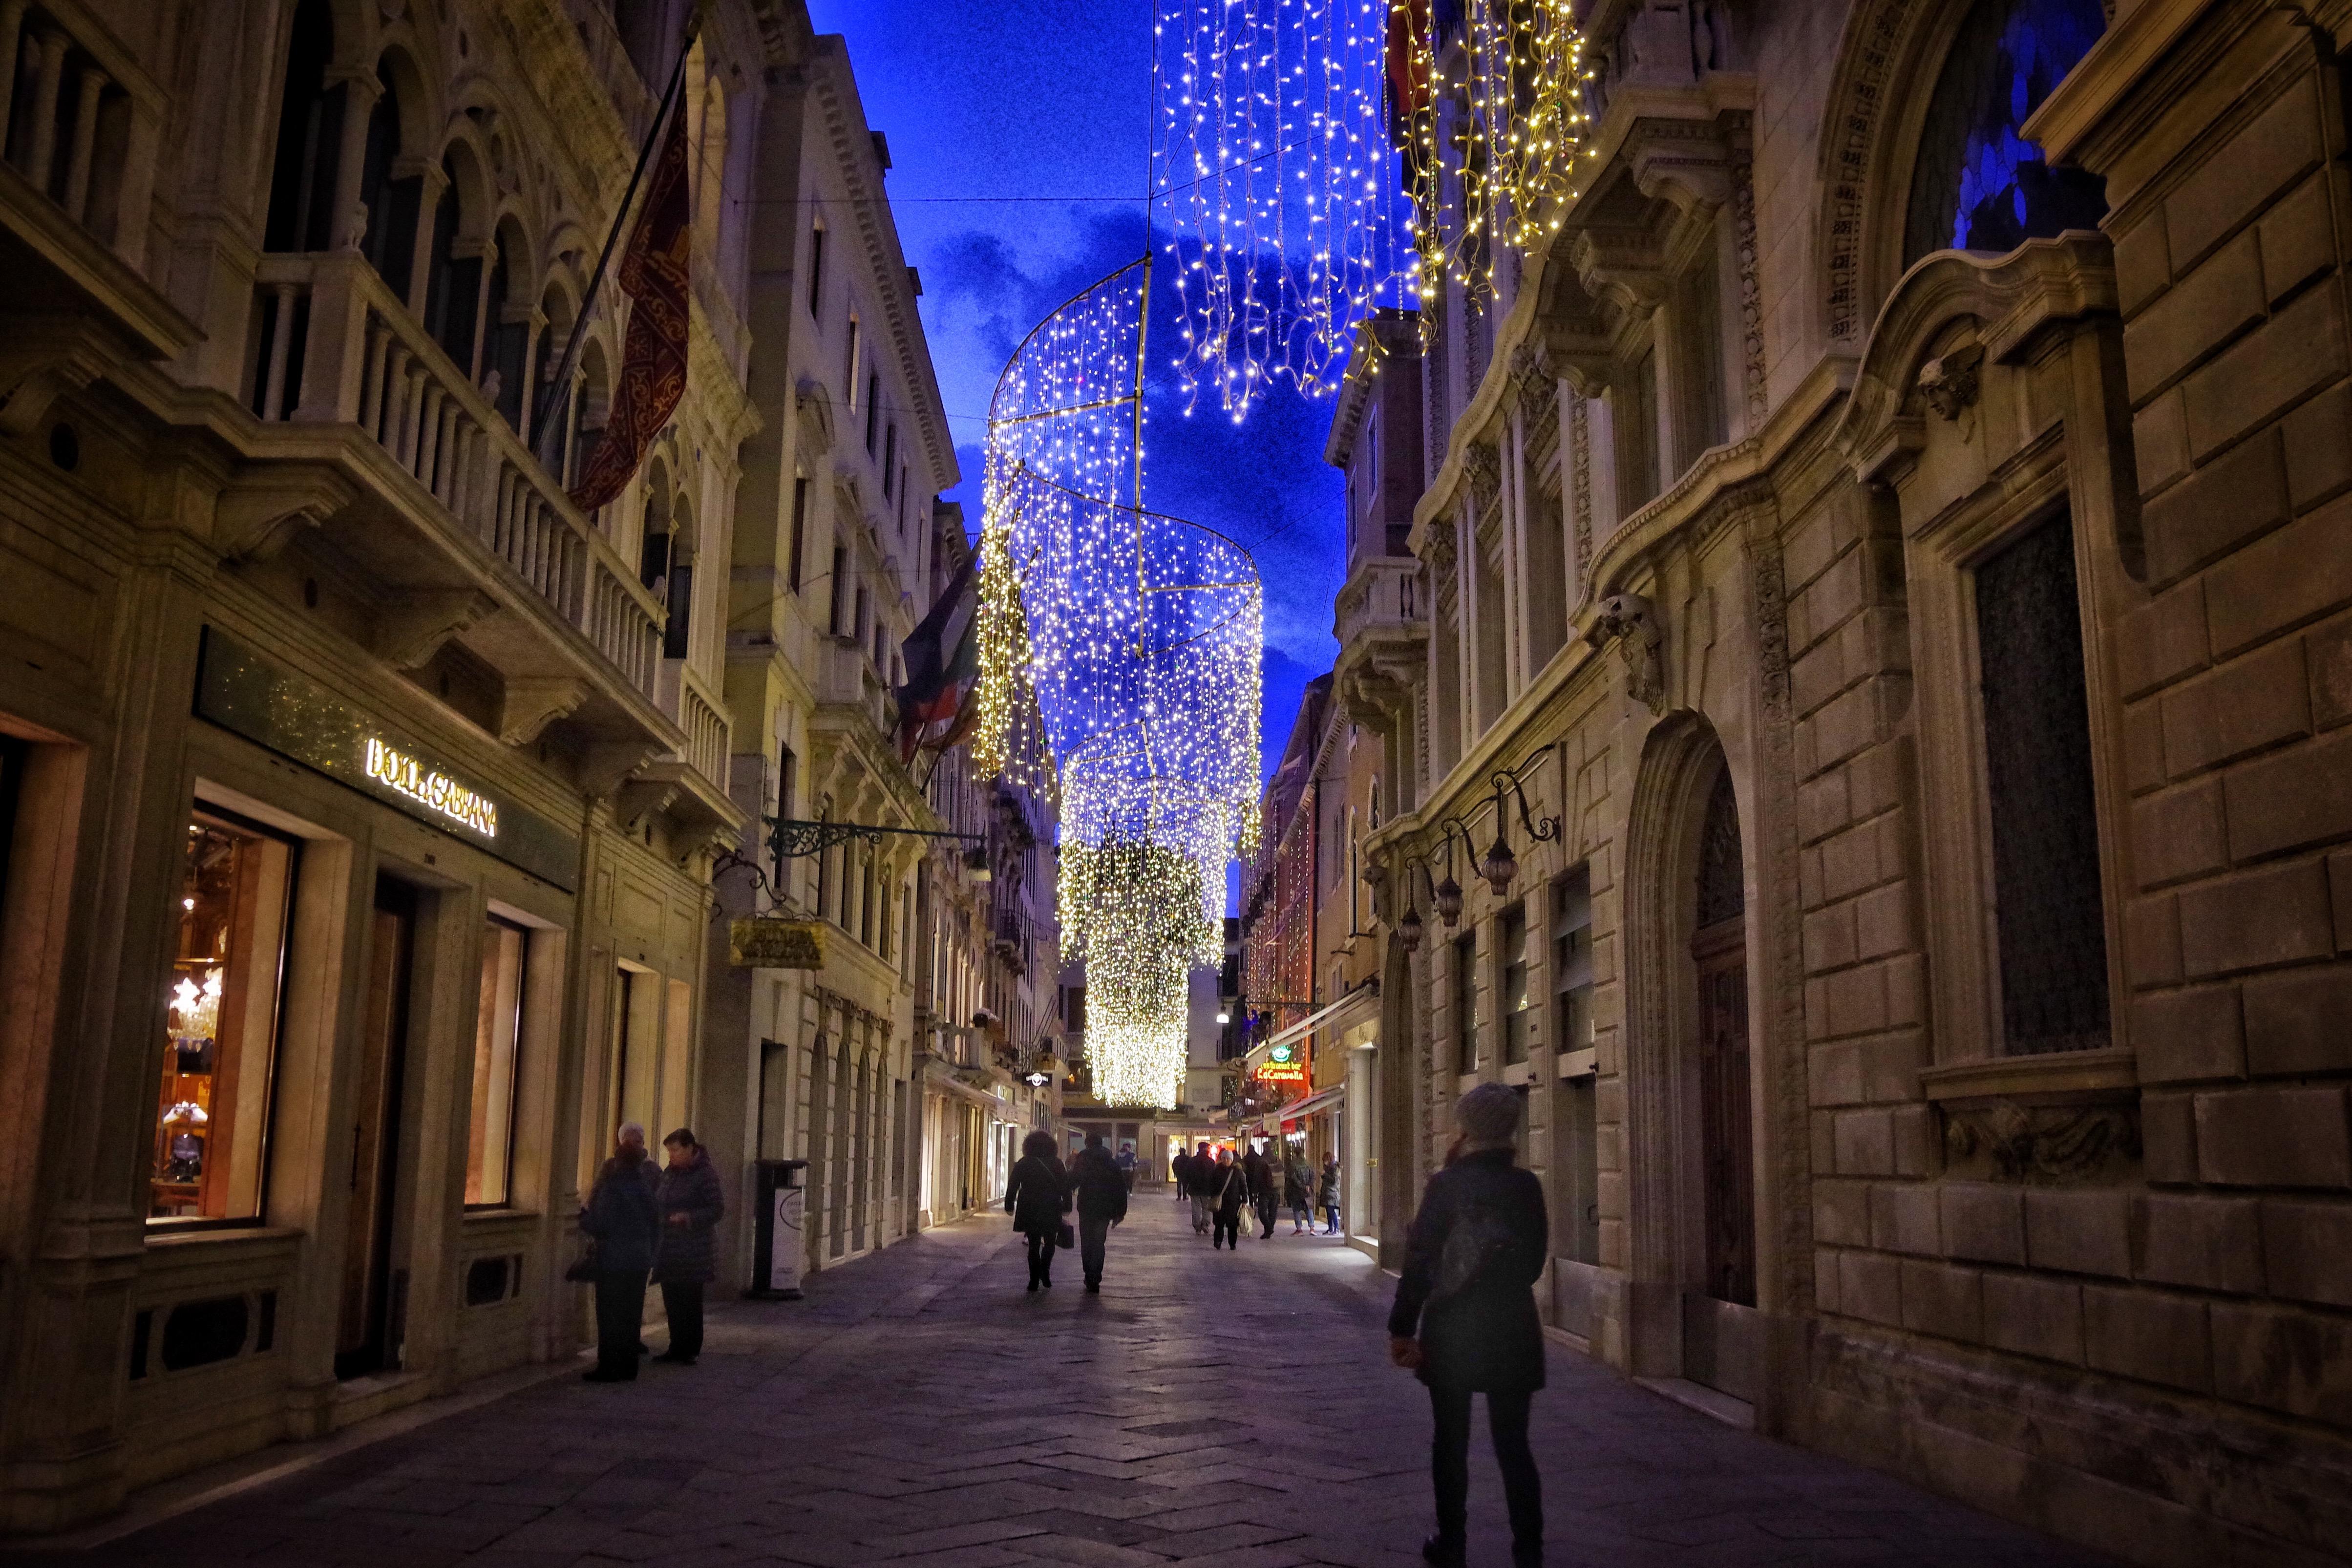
(1368, 992)
(949, 1084)
(1321, 1100)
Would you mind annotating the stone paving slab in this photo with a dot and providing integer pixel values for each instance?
(920, 1410)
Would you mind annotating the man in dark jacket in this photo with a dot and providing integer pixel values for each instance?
(1228, 1195)
(621, 1218)
(1465, 1318)
(1180, 1171)
(1204, 1181)
(685, 1260)
(1102, 1204)
(1259, 1171)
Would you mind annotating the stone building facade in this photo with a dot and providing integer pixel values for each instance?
(356, 788)
(1906, 578)
(837, 545)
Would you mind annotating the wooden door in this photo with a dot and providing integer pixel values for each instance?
(367, 1335)
(1727, 1142)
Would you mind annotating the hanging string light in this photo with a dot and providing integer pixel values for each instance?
(1134, 639)
(1506, 130)
(1271, 177)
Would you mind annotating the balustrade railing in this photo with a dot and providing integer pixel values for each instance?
(73, 125)
(1378, 594)
(705, 726)
(338, 348)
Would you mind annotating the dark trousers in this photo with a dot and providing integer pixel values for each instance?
(1225, 1227)
(682, 1300)
(1265, 1216)
(1092, 1234)
(620, 1308)
(1041, 1257)
(1449, 1464)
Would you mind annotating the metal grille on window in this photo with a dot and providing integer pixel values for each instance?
(1722, 886)
(2045, 842)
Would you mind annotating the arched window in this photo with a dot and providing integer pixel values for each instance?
(1977, 184)
(453, 284)
(506, 341)
(677, 593)
(390, 243)
(309, 135)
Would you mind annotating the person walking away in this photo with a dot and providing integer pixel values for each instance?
(1180, 1171)
(1464, 1318)
(1260, 1171)
(1102, 1204)
(1206, 1180)
(1228, 1199)
(1328, 1195)
(1037, 1198)
(621, 1218)
(1297, 1192)
(690, 1203)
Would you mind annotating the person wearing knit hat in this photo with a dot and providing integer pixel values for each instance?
(1464, 1318)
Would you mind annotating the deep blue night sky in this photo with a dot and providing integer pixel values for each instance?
(1028, 99)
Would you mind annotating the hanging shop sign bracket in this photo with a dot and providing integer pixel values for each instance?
(793, 838)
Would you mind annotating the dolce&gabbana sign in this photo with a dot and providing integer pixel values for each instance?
(296, 718)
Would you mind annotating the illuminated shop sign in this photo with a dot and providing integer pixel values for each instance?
(297, 718)
(1285, 1064)
(430, 789)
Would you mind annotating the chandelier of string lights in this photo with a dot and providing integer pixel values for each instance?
(1269, 176)
(1510, 144)
(1132, 641)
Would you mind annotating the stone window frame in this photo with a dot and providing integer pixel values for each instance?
(2062, 465)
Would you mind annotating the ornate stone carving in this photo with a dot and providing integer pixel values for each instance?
(1751, 294)
(261, 511)
(1768, 579)
(1580, 451)
(530, 703)
(1950, 383)
(1631, 620)
(2040, 1145)
(1482, 470)
(1437, 550)
(411, 628)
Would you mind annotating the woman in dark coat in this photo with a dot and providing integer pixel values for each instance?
(1465, 1318)
(1327, 1195)
(1229, 1195)
(691, 1205)
(620, 1217)
(1102, 1204)
(1037, 1198)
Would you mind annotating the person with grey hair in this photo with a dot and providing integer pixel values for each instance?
(1464, 1318)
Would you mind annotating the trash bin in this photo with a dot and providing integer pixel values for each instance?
(776, 1242)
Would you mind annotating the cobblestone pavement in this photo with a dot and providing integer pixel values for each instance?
(920, 1410)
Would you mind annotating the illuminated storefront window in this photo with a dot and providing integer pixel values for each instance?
(212, 1124)
(498, 1035)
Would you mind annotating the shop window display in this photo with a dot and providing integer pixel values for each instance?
(212, 1124)
(498, 1032)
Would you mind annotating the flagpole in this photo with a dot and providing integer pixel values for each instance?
(548, 394)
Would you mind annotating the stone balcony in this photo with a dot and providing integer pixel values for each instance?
(370, 436)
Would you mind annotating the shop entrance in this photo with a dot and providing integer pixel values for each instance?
(375, 1295)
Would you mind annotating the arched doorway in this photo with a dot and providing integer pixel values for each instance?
(1690, 1100)
(1720, 966)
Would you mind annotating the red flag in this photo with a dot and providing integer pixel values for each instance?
(653, 358)
(1408, 73)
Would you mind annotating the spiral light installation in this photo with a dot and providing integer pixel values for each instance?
(1499, 168)
(1271, 177)
(1134, 639)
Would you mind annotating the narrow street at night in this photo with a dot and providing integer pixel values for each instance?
(919, 1408)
